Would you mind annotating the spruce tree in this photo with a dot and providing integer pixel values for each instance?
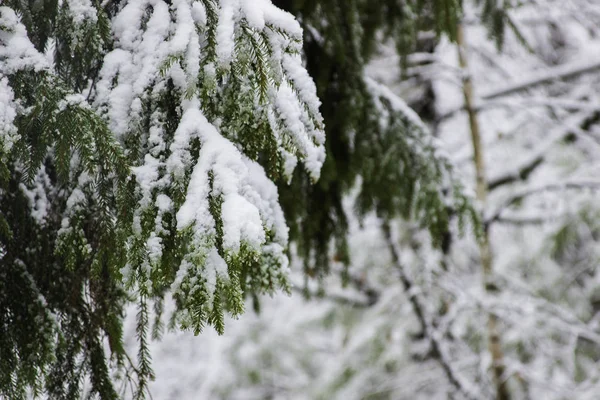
(367, 342)
(141, 144)
(133, 135)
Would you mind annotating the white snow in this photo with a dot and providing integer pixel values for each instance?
(16, 51)
(8, 114)
(219, 157)
(82, 10)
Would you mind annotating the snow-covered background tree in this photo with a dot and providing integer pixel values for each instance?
(143, 146)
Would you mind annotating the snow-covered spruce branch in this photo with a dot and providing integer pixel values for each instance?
(528, 164)
(529, 191)
(398, 170)
(439, 351)
(206, 214)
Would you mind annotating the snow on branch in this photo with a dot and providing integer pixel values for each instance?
(357, 299)
(440, 352)
(529, 191)
(199, 92)
(524, 167)
(525, 102)
(522, 220)
(552, 74)
(17, 53)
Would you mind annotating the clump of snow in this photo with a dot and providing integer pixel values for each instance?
(8, 113)
(221, 160)
(292, 114)
(36, 195)
(82, 10)
(16, 50)
(225, 32)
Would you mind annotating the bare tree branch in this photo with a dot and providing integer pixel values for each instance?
(365, 295)
(438, 350)
(525, 102)
(559, 72)
(525, 220)
(527, 165)
(520, 195)
(354, 301)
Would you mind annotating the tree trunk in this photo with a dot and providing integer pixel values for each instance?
(494, 342)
